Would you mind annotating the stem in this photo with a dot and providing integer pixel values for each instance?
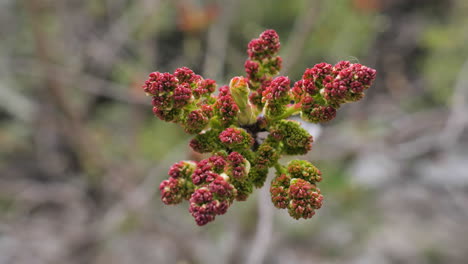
(280, 168)
(291, 110)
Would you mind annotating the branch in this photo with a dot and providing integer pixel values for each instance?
(263, 236)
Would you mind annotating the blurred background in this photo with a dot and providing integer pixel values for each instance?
(81, 155)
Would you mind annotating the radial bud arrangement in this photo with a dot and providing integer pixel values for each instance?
(227, 126)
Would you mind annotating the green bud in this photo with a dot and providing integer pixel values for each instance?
(240, 93)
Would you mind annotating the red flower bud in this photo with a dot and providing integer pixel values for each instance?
(196, 122)
(278, 89)
(186, 75)
(182, 95)
(225, 107)
(204, 88)
(236, 138)
(182, 169)
(158, 83)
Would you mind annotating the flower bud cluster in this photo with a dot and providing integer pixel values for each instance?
(296, 189)
(231, 127)
(323, 88)
(179, 186)
(182, 97)
(263, 63)
(210, 186)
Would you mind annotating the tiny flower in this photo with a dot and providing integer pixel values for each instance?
(167, 115)
(206, 141)
(304, 170)
(252, 70)
(186, 75)
(305, 198)
(200, 206)
(225, 107)
(218, 163)
(196, 121)
(258, 175)
(300, 209)
(201, 196)
(171, 191)
(182, 169)
(182, 95)
(266, 156)
(236, 138)
(274, 65)
(296, 139)
(315, 113)
(159, 83)
(239, 167)
(221, 188)
(163, 102)
(279, 191)
(277, 90)
(272, 40)
(318, 72)
(347, 82)
(205, 88)
(265, 46)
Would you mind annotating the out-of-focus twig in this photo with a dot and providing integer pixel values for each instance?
(104, 49)
(16, 104)
(88, 83)
(262, 239)
(218, 40)
(458, 119)
(299, 35)
(70, 121)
